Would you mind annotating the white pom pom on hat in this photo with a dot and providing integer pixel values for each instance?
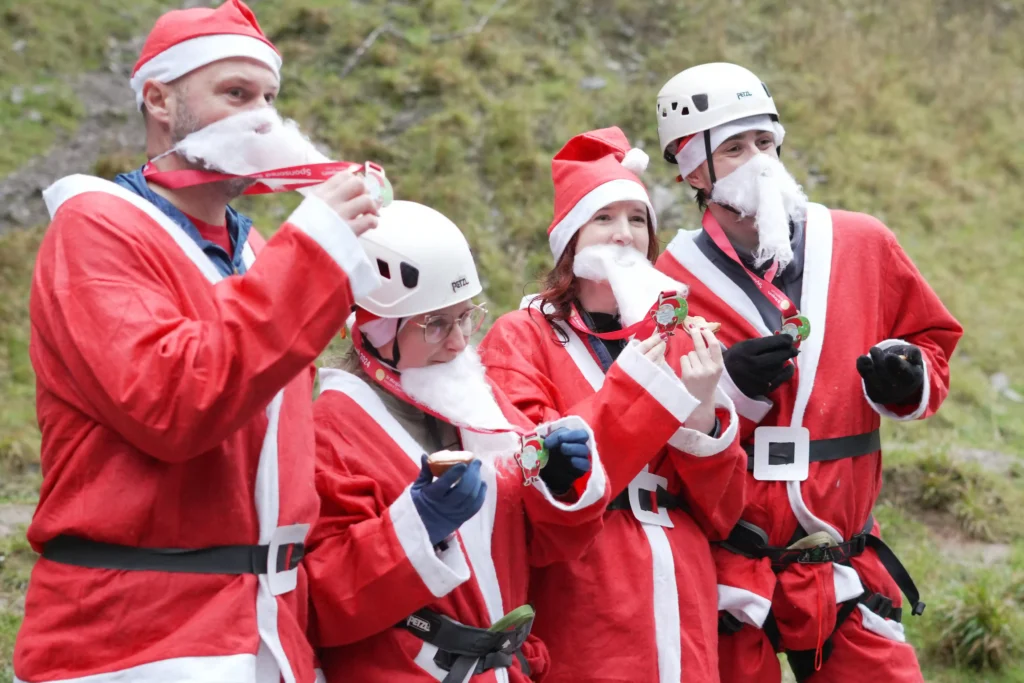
(636, 160)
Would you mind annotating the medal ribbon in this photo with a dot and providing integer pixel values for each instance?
(388, 379)
(305, 175)
(647, 324)
(774, 294)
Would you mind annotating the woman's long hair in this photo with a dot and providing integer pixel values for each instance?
(562, 287)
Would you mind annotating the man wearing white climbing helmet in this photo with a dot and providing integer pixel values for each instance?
(409, 572)
(829, 326)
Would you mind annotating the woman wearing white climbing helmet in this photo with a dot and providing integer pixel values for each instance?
(640, 605)
(408, 572)
(829, 326)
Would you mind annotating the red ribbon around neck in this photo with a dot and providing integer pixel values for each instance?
(764, 284)
(297, 177)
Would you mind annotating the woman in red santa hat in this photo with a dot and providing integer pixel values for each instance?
(641, 604)
(409, 572)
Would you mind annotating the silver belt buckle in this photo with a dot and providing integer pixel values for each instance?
(647, 481)
(284, 581)
(782, 453)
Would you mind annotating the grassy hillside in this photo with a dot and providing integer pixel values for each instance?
(911, 111)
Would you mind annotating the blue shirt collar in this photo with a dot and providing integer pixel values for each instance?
(238, 225)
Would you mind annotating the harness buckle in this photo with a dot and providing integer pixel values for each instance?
(819, 554)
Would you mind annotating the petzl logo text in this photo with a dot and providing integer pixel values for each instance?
(457, 284)
(419, 624)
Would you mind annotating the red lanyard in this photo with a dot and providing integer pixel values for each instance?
(389, 381)
(297, 176)
(576, 320)
(774, 294)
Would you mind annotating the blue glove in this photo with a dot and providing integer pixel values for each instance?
(446, 503)
(568, 459)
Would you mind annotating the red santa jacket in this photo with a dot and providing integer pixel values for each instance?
(859, 289)
(640, 605)
(372, 564)
(175, 413)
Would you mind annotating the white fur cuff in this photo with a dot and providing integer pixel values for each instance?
(441, 571)
(659, 381)
(925, 389)
(334, 235)
(754, 409)
(598, 479)
(703, 445)
(748, 607)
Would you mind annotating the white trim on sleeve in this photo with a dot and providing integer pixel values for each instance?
(704, 445)
(659, 381)
(753, 409)
(441, 571)
(327, 229)
(747, 606)
(598, 478)
(925, 389)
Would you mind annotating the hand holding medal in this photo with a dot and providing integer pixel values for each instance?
(532, 458)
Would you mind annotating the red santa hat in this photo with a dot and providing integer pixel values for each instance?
(594, 170)
(185, 40)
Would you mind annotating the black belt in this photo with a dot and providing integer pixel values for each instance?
(228, 559)
(665, 500)
(821, 449)
(460, 646)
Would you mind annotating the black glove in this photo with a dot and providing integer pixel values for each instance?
(568, 459)
(893, 375)
(760, 366)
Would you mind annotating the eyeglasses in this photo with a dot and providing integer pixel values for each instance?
(437, 327)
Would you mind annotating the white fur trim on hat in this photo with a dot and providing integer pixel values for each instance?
(189, 55)
(636, 160)
(693, 153)
(619, 190)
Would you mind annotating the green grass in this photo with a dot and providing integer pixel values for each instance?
(42, 44)
(16, 558)
(910, 111)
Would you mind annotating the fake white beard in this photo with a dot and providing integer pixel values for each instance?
(635, 282)
(250, 142)
(763, 188)
(457, 390)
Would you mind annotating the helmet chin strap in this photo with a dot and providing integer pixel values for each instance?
(711, 173)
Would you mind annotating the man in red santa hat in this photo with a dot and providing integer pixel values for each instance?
(173, 349)
(407, 572)
(829, 327)
(640, 605)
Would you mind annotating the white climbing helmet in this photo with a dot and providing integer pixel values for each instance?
(423, 260)
(709, 95)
